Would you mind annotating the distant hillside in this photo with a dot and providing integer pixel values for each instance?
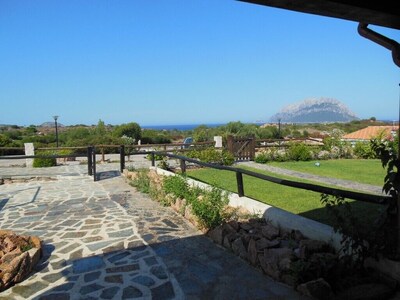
(320, 110)
(51, 124)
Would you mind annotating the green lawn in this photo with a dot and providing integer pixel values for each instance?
(368, 171)
(297, 201)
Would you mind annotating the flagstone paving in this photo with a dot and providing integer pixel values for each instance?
(105, 240)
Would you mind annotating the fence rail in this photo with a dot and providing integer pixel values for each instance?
(91, 159)
(377, 199)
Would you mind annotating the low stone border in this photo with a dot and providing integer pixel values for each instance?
(273, 244)
(19, 254)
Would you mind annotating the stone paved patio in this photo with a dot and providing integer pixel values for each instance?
(104, 240)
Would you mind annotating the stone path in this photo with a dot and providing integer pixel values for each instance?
(104, 240)
(323, 179)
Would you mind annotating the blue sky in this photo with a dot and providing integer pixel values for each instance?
(183, 62)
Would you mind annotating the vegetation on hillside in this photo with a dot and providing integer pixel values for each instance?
(131, 133)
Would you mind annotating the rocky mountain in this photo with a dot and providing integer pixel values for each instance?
(317, 110)
(51, 124)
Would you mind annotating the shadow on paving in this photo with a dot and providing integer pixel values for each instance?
(107, 175)
(202, 269)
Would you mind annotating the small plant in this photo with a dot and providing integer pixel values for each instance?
(142, 181)
(212, 155)
(176, 185)
(44, 162)
(163, 164)
(262, 158)
(131, 168)
(209, 208)
(157, 157)
(25, 248)
(299, 152)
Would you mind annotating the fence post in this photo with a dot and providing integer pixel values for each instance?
(89, 160)
(94, 163)
(153, 160)
(183, 166)
(239, 180)
(122, 157)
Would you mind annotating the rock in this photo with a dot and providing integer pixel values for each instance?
(290, 243)
(239, 249)
(8, 257)
(35, 254)
(289, 279)
(371, 291)
(35, 241)
(308, 247)
(276, 254)
(228, 228)
(226, 243)
(317, 289)
(297, 235)
(24, 268)
(19, 255)
(264, 243)
(246, 226)
(269, 267)
(252, 252)
(216, 235)
(284, 264)
(270, 231)
(234, 225)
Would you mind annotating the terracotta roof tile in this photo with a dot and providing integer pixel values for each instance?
(370, 132)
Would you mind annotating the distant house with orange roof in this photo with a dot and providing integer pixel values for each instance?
(370, 132)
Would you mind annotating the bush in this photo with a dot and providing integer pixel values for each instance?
(364, 150)
(262, 158)
(142, 181)
(157, 157)
(212, 155)
(209, 207)
(176, 185)
(44, 162)
(299, 152)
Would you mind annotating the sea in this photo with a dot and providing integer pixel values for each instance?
(185, 127)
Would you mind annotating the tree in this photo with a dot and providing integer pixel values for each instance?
(100, 128)
(132, 130)
(200, 133)
(4, 140)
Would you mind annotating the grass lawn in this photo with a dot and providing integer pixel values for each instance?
(297, 201)
(369, 171)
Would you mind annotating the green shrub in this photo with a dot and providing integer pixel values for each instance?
(364, 150)
(142, 181)
(299, 152)
(212, 155)
(209, 207)
(176, 185)
(262, 158)
(44, 162)
(157, 157)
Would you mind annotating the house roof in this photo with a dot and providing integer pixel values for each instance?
(371, 132)
(382, 13)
